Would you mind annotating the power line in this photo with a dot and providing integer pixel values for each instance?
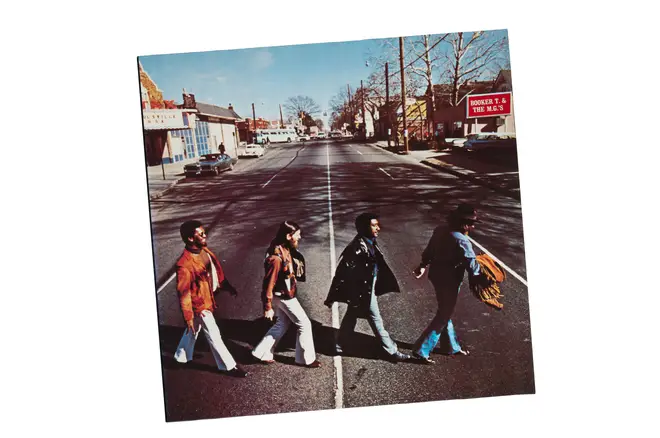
(416, 59)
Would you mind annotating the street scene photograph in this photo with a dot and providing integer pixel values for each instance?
(336, 225)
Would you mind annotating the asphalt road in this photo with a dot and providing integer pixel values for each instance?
(242, 209)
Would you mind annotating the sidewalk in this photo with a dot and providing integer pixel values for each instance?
(173, 173)
(500, 175)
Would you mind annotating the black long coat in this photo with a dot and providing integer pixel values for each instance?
(354, 276)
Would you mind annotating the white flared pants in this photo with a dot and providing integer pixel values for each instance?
(206, 322)
(287, 312)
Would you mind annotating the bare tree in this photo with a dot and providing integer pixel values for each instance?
(471, 56)
(342, 106)
(376, 95)
(427, 53)
(319, 124)
(389, 52)
(296, 105)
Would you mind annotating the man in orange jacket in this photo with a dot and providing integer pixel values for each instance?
(198, 275)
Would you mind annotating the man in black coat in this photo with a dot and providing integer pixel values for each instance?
(362, 275)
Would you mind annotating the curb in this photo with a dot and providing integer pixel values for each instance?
(461, 173)
(165, 190)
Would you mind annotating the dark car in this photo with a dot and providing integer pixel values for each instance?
(210, 164)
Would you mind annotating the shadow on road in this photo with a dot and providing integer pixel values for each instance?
(241, 336)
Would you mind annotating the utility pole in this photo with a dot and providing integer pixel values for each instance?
(351, 118)
(254, 120)
(388, 124)
(431, 97)
(364, 114)
(403, 96)
(281, 118)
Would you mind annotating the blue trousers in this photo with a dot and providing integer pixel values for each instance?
(375, 321)
(440, 329)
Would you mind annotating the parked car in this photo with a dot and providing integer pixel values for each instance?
(253, 150)
(336, 134)
(210, 164)
(490, 140)
(303, 137)
(320, 135)
(459, 142)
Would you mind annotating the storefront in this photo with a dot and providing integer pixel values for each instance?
(160, 145)
(211, 126)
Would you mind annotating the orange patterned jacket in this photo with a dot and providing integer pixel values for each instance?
(193, 283)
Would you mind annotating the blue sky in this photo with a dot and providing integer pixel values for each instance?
(266, 76)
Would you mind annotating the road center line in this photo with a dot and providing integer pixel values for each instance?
(169, 280)
(511, 271)
(339, 382)
(383, 170)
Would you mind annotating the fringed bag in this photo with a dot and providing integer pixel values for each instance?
(485, 286)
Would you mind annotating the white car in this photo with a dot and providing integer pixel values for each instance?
(303, 137)
(490, 140)
(253, 150)
(320, 135)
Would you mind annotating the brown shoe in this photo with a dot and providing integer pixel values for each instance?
(315, 364)
(236, 372)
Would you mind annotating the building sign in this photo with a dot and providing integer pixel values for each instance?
(163, 119)
(488, 105)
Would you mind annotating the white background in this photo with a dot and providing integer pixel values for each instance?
(80, 345)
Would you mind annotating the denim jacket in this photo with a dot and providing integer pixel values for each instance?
(449, 254)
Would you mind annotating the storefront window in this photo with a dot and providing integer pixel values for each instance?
(186, 134)
(202, 137)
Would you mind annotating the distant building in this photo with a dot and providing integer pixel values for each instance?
(246, 128)
(212, 125)
(453, 121)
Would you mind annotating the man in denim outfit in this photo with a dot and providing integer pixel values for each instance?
(449, 254)
(362, 274)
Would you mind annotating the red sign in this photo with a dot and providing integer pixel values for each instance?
(488, 105)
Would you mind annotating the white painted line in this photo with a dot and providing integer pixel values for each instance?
(355, 150)
(500, 173)
(169, 280)
(273, 177)
(509, 270)
(380, 168)
(339, 380)
(267, 182)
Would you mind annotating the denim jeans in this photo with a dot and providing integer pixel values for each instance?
(440, 328)
(375, 322)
